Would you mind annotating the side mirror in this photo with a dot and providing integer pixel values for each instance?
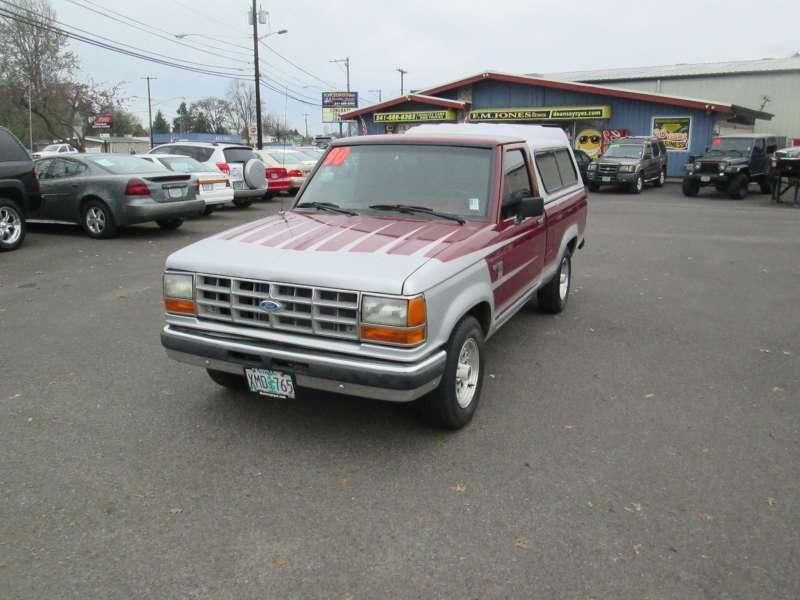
(531, 207)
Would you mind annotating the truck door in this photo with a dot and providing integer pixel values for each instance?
(515, 267)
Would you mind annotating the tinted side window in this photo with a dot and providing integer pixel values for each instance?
(548, 171)
(166, 150)
(238, 155)
(516, 182)
(656, 149)
(11, 149)
(199, 153)
(41, 167)
(566, 168)
(73, 168)
(59, 169)
(662, 147)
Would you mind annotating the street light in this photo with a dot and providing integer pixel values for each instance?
(279, 32)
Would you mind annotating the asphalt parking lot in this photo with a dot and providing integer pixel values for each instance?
(643, 444)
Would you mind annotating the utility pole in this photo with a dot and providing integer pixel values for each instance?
(306, 117)
(403, 73)
(259, 130)
(346, 61)
(30, 120)
(149, 107)
(379, 92)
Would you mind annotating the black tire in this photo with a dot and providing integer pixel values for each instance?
(441, 407)
(227, 380)
(169, 224)
(638, 184)
(270, 195)
(208, 210)
(97, 220)
(242, 202)
(690, 187)
(737, 189)
(594, 187)
(765, 184)
(12, 225)
(662, 178)
(551, 298)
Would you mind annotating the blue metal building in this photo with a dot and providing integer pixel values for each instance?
(591, 115)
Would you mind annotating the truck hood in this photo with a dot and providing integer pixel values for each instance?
(734, 159)
(365, 253)
(617, 161)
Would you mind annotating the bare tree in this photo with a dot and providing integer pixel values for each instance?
(216, 111)
(241, 100)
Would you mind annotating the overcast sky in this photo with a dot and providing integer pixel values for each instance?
(435, 40)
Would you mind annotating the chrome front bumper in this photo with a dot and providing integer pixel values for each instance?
(380, 379)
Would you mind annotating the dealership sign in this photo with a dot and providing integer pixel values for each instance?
(334, 104)
(675, 132)
(104, 121)
(541, 113)
(417, 116)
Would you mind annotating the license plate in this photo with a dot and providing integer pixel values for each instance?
(606, 179)
(237, 185)
(178, 192)
(705, 178)
(208, 187)
(266, 382)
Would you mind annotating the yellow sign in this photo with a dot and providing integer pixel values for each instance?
(414, 116)
(541, 113)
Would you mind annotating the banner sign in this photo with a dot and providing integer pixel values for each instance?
(541, 113)
(334, 104)
(416, 116)
(675, 132)
(103, 121)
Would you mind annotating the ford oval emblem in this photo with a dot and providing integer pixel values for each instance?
(270, 305)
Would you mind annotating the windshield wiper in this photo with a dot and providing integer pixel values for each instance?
(408, 208)
(327, 206)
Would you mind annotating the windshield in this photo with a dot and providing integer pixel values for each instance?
(444, 178)
(624, 151)
(125, 165)
(739, 146)
(288, 156)
(184, 164)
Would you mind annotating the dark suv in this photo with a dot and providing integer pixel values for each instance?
(19, 190)
(630, 162)
(731, 163)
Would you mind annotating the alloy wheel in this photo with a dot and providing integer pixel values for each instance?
(95, 220)
(467, 372)
(10, 225)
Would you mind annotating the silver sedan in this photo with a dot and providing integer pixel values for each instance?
(103, 192)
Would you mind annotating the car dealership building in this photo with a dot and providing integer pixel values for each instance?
(592, 115)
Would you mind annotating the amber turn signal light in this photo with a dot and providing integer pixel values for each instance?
(393, 335)
(416, 312)
(183, 307)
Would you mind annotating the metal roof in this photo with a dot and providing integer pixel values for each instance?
(763, 65)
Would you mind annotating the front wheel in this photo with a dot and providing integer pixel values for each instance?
(553, 297)
(638, 185)
(691, 187)
(208, 210)
(12, 225)
(737, 189)
(169, 224)
(662, 177)
(98, 222)
(453, 403)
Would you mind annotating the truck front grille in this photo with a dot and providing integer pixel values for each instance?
(607, 169)
(309, 310)
(709, 167)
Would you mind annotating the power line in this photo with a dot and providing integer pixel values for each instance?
(296, 66)
(135, 24)
(81, 38)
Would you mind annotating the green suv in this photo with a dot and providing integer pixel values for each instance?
(731, 163)
(629, 162)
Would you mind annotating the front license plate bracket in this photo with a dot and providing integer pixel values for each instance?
(270, 383)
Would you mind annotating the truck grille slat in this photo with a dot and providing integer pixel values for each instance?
(304, 309)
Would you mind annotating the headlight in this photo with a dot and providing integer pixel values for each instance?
(723, 165)
(698, 166)
(179, 293)
(592, 167)
(627, 168)
(398, 321)
(689, 168)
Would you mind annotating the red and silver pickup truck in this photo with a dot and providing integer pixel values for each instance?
(402, 255)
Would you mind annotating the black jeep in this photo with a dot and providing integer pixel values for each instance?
(19, 190)
(731, 163)
(629, 162)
